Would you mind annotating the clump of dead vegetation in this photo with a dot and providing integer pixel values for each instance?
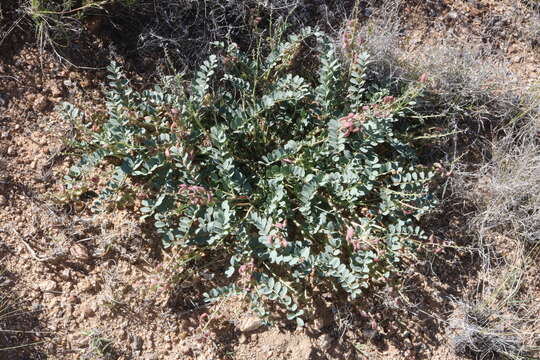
(170, 34)
(20, 330)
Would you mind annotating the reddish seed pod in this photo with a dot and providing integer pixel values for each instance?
(388, 99)
(203, 317)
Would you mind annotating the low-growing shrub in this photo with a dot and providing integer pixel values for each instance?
(291, 165)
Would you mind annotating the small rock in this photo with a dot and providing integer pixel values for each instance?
(73, 299)
(47, 285)
(325, 341)
(11, 151)
(66, 274)
(242, 339)
(250, 324)
(320, 323)
(77, 340)
(3, 200)
(5, 135)
(56, 89)
(79, 252)
(88, 309)
(41, 103)
(86, 285)
(453, 15)
(85, 83)
(184, 349)
(150, 356)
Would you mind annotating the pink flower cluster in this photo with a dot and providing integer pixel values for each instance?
(352, 123)
(246, 271)
(278, 239)
(245, 268)
(197, 195)
(347, 42)
(350, 238)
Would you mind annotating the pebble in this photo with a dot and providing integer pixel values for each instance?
(79, 252)
(184, 349)
(453, 15)
(320, 323)
(56, 89)
(88, 309)
(325, 342)
(150, 356)
(41, 103)
(250, 324)
(242, 339)
(11, 151)
(3, 200)
(47, 285)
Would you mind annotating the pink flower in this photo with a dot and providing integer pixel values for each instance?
(347, 123)
(281, 225)
(203, 317)
(243, 268)
(350, 234)
(388, 99)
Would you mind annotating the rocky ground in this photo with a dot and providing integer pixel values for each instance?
(101, 288)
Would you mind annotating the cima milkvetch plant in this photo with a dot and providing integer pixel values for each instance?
(296, 176)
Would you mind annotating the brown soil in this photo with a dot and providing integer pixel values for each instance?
(87, 283)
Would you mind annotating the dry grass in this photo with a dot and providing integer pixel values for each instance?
(508, 187)
(494, 156)
(503, 317)
(506, 191)
(18, 327)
